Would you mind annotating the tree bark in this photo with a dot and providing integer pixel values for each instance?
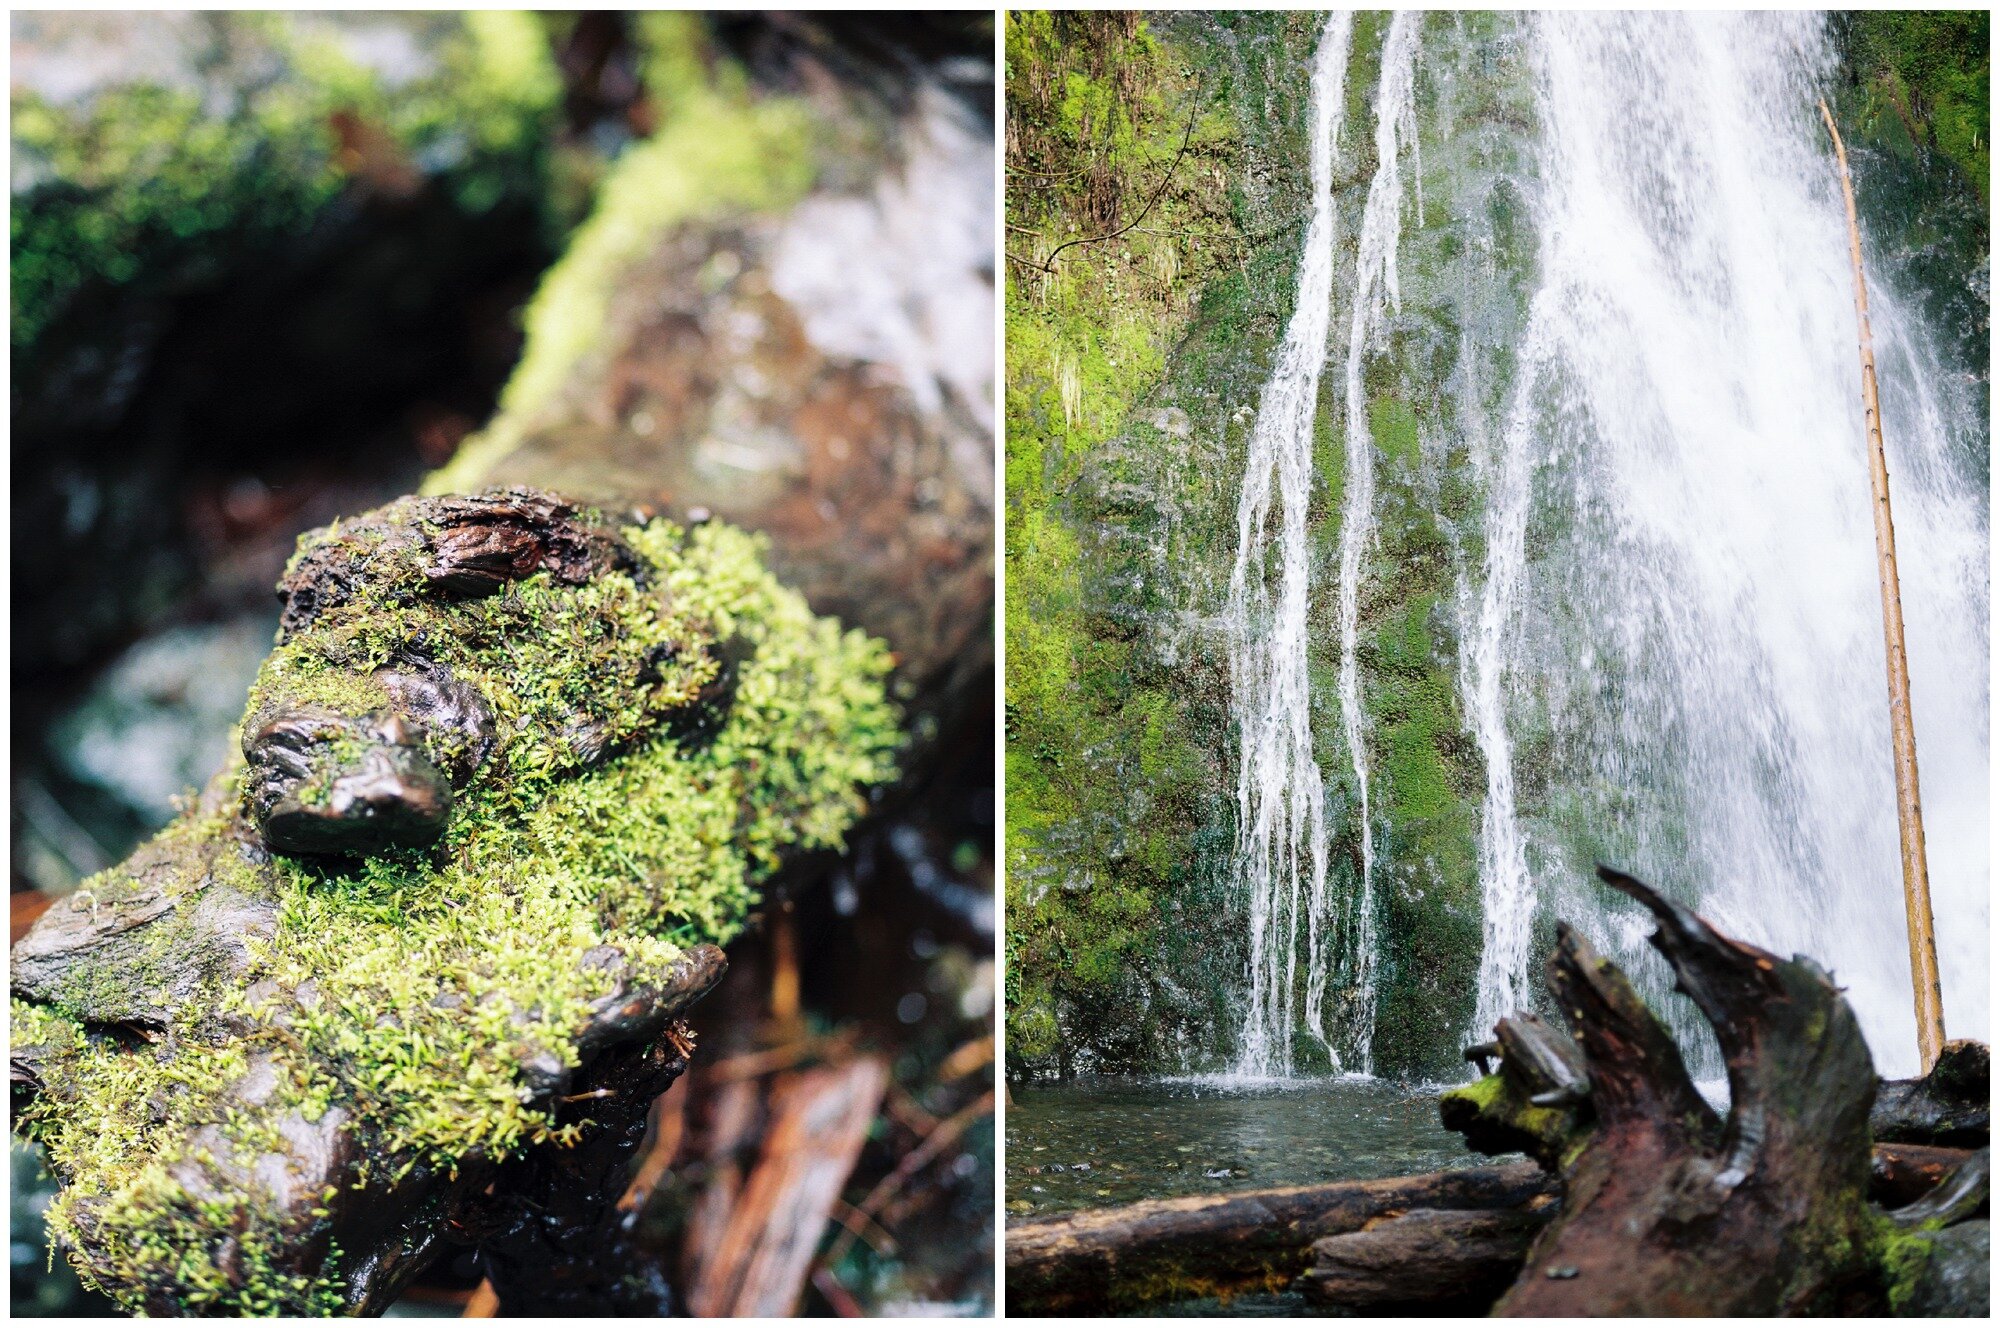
(1667, 1209)
(1425, 1260)
(1160, 1250)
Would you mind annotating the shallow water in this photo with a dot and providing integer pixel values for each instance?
(1113, 1141)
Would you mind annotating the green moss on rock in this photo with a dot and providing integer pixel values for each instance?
(233, 139)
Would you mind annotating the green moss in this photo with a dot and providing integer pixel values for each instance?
(1902, 1255)
(1930, 70)
(438, 974)
(719, 150)
(146, 183)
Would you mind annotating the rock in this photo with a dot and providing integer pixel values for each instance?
(1956, 1283)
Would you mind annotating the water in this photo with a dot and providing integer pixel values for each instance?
(1281, 836)
(1114, 1141)
(1376, 286)
(1668, 628)
(1697, 644)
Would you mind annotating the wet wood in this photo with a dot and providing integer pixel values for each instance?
(1161, 1250)
(1425, 1260)
(1948, 1107)
(1777, 1192)
(819, 1120)
(1901, 1174)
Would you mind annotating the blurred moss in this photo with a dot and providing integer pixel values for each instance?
(168, 174)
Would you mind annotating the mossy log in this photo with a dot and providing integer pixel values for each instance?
(411, 969)
(1669, 1209)
(1160, 1250)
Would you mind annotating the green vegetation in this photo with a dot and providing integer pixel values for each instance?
(145, 185)
(720, 149)
(1931, 70)
(422, 989)
(1110, 777)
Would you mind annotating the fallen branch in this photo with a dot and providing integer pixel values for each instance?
(1112, 1260)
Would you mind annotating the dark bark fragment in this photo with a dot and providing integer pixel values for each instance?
(1948, 1107)
(1961, 1195)
(455, 547)
(1901, 1174)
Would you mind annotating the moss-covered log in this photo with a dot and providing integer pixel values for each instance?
(415, 958)
(1162, 1250)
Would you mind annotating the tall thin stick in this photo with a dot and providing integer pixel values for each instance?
(1902, 730)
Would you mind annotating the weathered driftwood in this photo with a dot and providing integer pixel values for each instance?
(1668, 1209)
(1425, 1260)
(1161, 1250)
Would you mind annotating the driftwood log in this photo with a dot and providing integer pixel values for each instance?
(1161, 1250)
(1667, 1208)
(1425, 1260)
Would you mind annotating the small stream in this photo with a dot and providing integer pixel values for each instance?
(1112, 1141)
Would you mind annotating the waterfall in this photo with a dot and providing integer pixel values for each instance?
(1377, 286)
(1694, 648)
(1281, 835)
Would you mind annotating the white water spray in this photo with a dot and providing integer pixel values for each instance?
(1281, 835)
(1377, 287)
(1695, 647)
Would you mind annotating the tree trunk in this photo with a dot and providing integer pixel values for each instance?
(1425, 1260)
(1667, 1209)
(1160, 1250)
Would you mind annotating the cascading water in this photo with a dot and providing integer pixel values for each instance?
(1376, 287)
(1281, 835)
(1694, 649)
(1668, 644)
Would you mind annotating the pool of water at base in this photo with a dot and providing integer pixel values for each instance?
(1112, 1141)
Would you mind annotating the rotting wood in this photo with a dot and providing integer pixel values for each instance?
(820, 1119)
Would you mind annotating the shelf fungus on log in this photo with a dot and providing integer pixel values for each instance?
(411, 969)
(1669, 1209)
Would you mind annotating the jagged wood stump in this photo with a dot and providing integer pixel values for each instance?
(411, 969)
(1668, 1209)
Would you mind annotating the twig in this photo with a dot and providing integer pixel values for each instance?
(912, 1162)
(1187, 136)
(843, 1301)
